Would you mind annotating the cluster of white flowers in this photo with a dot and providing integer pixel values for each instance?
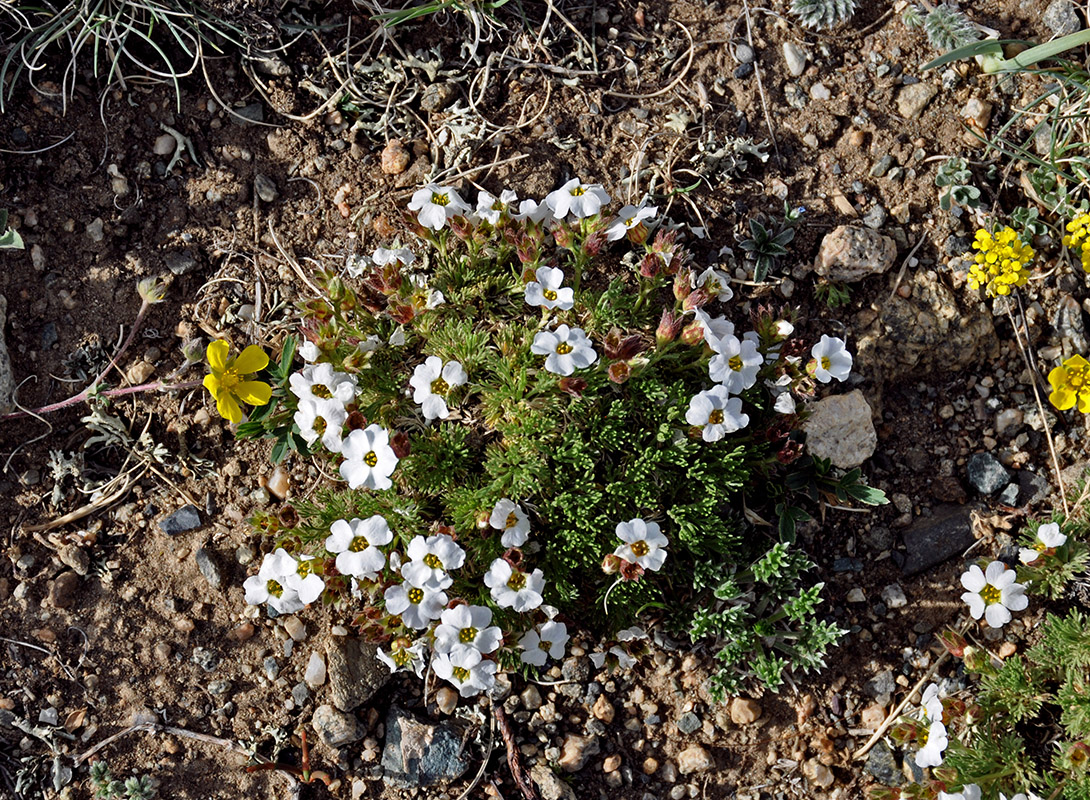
(1048, 538)
(286, 583)
(933, 739)
(324, 396)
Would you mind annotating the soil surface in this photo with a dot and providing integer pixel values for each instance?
(240, 188)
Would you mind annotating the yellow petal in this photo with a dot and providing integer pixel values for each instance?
(1057, 377)
(212, 384)
(1084, 402)
(228, 408)
(1063, 398)
(252, 359)
(256, 393)
(217, 354)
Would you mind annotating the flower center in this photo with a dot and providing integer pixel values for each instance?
(274, 588)
(321, 390)
(371, 459)
(440, 199)
(439, 386)
(401, 657)
(990, 595)
(826, 362)
(467, 635)
(433, 561)
(461, 674)
(628, 223)
(319, 426)
(305, 567)
(358, 544)
(549, 295)
(563, 348)
(716, 417)
(922, 738)
(498, 205)
(578, 191)
(735, 363)
(640, 548)
(511, 520)
(416, 596)
(230, 379)
(1076, 378)
(517, 581)
(544, 645)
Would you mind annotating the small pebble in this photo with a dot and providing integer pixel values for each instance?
(446, 700)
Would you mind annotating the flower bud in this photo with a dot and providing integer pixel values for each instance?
(573, 386)
(669, 327)
(193, 351)
(611, 564)
(619, 372)
(975, 660)
(1079, 755)
(401, 312)
(563, 235)
(152, 289)
(693, 333)
(357, 421)
(638, 233)
(483, 518)
(954, 642)
(682, 289)
(593, 244)
(630, 571)
(697, 299)
(651, 265)
(461, 227)
(289, 517)
(399, 443)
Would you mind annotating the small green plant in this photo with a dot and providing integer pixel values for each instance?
(833, 294)
(766, 246)
(108, 788)
(948, 28)
(955, 179)
(819, 14)
(9, 237)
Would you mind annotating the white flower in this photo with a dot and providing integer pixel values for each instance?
(508, 516)
(547, 641)
(432, 381)
(633, 634)
(490, 208)
(369, 459)
(644, 544)
(577, 199)
(436, 204)
(465, 670)
(993, 593)
(968, 792)
(932, 742)
(402, 657)
(382, 257)
(357, 543)
(932, 705)
(714, 282)
(624, 660)
(430, 559)
(547, 292)
(308, 351)
(319, 382)
(513, 588)
(418, 606)
(567, 349)
(304, 581)
(267, 586)
(785, 403)
(716, 329)
(423, 297)
(1048, 536)
(736, 364)
(370, 344)
(831, 359)
(719, 413)
(467, 626)
(322, 419)
(531, 211)
(627, 218)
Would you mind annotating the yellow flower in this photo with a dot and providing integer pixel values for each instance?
(1070, 384)
(1077, 231)
(226, 383)
(1001, 263)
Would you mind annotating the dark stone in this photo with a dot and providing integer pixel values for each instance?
(184, 519)
(932, 540)
(848, 565)
(1032, 488)
(882, 765)
(355, 673)
(437, 96)
(49, 335)
(1009, 496)
(208, 567)
(205, 659)
(64, 589)
(986, 474)
(255, 112)
(575, 668)
(688, 723)
(421, 753)
(743, 70)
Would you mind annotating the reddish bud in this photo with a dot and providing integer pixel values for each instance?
(317, 309)
(790, 452)
(630, 571)
(651, 265)
(401, 312)
(593, 244)
(669, 327)
(1079, 755)
(563, 235)
(664, 241)
(954, 642)
(288, 516)
(413, 224)
(461, 227)
(696, 300)
(356, 421)
(399, 443)
(573, 386)
(638, 233)
(619, 372)
(682, 289)
(693, 333)
(611, 564)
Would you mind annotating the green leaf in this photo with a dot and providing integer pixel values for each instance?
(986, 47)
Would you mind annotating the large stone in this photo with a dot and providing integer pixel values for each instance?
(184, 519)
(336, 728)
(850, 253)
(840, 429)
(577, 751)
(63, 590)
(987, 473)
(550, 785)
(421, 753)
(1060, 17)
(7, 379)
(354, 672)
(913, 99)
(932, 540)
(883, 766)
(694, 758)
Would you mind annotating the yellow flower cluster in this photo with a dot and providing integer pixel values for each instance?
(1071, 384)
(1001, 263)
(1078, 230)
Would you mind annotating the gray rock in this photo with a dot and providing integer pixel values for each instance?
(850, 253)
(881, 686)
(7, 378)
(932, 540)
(883, 766)
(335, 728)
(255, 112)
(300, 694)
(206, 563)
(894, 596)
(179, 262)
(219, 687)
(437, 96)
(316, 671)
(63, 590)
(986, 474)
(74, 556)
(688, 723)
(1009, 496)
(184, 519)
(421, 753)
(354, 671)
(1032, 488)
(875, 218)
(205, 659)
(744, 53)
(1061, 19)
(550, 785)
(1069, 324)
(575, 668)
(795, 57)
(840, 429)
(265, 188)
(881, 167)
(912, 99)
(271, 667)
(48, 335)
